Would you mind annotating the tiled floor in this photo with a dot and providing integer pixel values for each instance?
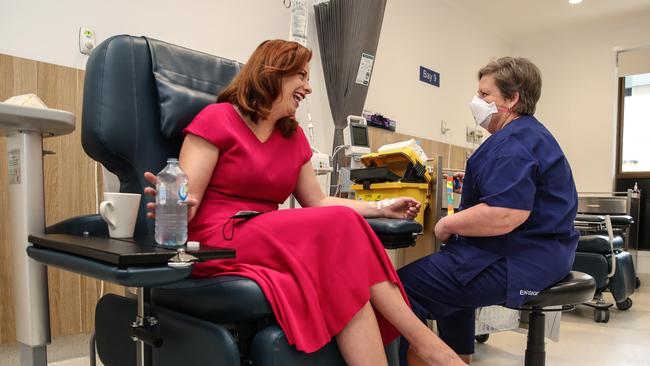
(62, 348)
(624, 341)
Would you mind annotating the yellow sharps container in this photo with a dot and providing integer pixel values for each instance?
(392, 174)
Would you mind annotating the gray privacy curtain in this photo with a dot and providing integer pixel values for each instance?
(348, 34)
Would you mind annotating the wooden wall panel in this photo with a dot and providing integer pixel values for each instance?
(69, 191)
(7, 330)
(65, 192)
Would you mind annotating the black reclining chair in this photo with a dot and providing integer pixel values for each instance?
(139, 94)
(600, 254)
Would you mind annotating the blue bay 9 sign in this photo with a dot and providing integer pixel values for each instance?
(429, 76)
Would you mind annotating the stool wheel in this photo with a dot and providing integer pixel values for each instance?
(482, 338)
(625, 304)
(601, 315)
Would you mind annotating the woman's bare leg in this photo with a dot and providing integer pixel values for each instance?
(413, 360)
(387, 299)
(360, 341)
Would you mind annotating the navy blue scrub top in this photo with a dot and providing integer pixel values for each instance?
(521, 167)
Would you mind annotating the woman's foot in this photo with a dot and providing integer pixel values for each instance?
(434, 356)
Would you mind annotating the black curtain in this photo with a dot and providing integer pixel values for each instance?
(348, 34)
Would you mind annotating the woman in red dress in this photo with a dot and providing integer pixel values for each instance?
(322, 269)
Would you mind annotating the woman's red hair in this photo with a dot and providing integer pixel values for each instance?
(259, 82)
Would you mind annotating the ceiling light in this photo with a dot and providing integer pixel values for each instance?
(575, 1)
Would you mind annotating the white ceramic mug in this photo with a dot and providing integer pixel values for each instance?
(120, 211)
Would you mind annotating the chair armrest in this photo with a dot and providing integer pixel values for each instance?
(622, 220)
(127, 262)
(395, 233)
(130, 276)
(590, 218)
(91, 225)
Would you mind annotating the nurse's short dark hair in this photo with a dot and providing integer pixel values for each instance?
(516, 74)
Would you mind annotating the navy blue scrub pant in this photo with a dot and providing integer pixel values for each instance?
(435, 293)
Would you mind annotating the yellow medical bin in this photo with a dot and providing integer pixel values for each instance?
(392, 174)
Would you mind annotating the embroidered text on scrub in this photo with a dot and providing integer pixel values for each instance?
(528, 292)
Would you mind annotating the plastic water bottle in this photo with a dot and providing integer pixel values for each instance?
(171, 205)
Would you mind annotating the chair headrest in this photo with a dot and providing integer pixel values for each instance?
(139, 94)
(186, 81)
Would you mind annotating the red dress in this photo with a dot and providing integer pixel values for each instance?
(315, 265)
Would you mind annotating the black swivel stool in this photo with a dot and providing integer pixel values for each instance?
(574, 289)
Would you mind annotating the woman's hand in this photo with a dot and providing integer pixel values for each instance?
(440, 231)
(402, 208)
(151, 206)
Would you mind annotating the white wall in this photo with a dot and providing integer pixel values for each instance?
(431, 33)
(48, 31)
(578, 101)
(578, 96)
(439, 36)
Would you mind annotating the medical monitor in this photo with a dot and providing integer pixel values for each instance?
(359, 134)
(355, 138)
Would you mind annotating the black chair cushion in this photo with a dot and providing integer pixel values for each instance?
(270, 348)
(187, 81)
(575, 288)
(598, 244)
(595, 265)
(623, 283)
(222, 299)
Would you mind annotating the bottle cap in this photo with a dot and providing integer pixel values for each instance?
(193, 245)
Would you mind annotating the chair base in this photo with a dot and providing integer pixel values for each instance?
(535, 347)
(601, 308)
(575, 288)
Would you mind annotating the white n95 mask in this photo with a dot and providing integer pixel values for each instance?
(482, 111)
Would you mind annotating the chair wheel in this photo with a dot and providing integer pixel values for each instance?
(601, 315)
(625, 304)
(638, 283)
(482, 338)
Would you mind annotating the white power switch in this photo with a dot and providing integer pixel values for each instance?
(86, 40)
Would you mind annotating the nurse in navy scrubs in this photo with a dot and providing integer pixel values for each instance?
(514, 234)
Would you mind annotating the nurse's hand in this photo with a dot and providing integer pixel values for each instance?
(402, 208)
(150, 191)
(441, 234)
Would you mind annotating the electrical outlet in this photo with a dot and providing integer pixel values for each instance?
(478, 133)
(86, 40)
(474, 135)
(443, 127)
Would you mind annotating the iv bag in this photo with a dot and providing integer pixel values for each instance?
(298, 25)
